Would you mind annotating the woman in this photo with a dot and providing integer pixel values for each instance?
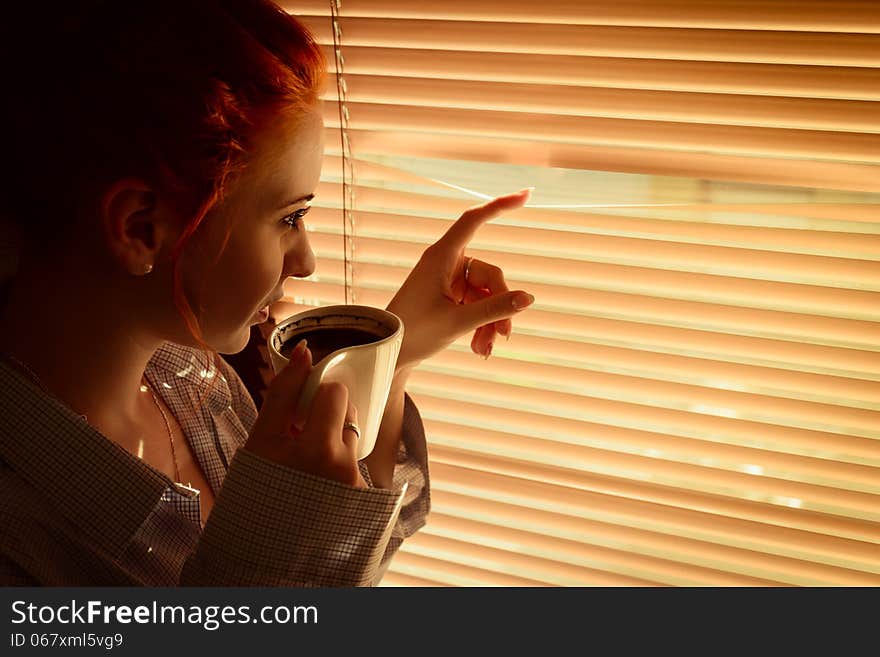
(164, 165)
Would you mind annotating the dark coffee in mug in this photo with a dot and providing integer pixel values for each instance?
(324, 340)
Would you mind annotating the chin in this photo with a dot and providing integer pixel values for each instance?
(236, 342)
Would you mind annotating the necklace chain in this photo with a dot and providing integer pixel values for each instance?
(37, 380)
(167, 428)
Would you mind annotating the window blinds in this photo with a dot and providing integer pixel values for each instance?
(693, 399)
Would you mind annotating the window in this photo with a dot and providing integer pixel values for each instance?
(694, 399)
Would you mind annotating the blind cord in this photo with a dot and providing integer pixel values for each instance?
(347, 164)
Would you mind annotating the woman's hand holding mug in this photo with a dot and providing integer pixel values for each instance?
(317, 444)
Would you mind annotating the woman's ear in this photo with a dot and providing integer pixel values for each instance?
(133, 226)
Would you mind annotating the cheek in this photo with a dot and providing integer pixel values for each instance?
(256, 274)
(244, 276)
(262, 268)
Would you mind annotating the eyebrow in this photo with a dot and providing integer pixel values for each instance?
(298, 200)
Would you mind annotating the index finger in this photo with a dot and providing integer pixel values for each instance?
(462, 231)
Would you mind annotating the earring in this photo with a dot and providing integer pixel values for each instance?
(148, 268)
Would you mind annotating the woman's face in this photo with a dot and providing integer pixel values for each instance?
(267, 242)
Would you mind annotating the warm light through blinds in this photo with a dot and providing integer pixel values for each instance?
(694, 399)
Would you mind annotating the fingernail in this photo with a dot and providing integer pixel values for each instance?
(298, 351)
(523, 300)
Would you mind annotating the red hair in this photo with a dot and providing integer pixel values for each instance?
(170, 91)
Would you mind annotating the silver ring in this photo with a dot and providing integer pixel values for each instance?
(353, 427)
(467, 267)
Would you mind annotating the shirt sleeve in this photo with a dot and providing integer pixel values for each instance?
(411, 469)
(273, 525)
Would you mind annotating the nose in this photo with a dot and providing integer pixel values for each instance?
(299, 261)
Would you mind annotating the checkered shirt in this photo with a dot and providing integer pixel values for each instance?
(76, 509)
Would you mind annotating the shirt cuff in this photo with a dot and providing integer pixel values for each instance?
(412, 468)
(275, 525)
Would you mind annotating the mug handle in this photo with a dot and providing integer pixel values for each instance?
(310, 387)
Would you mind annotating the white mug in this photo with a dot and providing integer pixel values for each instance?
(367, 370)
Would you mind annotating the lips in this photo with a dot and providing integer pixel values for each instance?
(270, 304)
(263, 313)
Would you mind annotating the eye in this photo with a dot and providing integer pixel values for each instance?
(292, 220)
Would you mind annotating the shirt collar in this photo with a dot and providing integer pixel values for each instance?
(179, 362)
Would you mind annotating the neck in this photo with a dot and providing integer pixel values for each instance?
(84, 348)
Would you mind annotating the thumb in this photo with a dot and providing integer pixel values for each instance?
(499, 306)
(277, 413)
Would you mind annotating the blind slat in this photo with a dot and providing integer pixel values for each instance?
(813, 552)
(448, 573)
(398, 579)
(810, 212)
(609, 426)
(589, 333)
(440, 548)
(810, 15)
(560, 320)
(817, 145)
(586, 375)
(852, 311)
(621, 396)
(744, 508)
(778, 246)
(583, 555)
(715, 477)
(608, 451)
(854, 83)
(585, 101)
(553, 247)
(723, 45)
(621, 158)
(692, 560)
(675, 300)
